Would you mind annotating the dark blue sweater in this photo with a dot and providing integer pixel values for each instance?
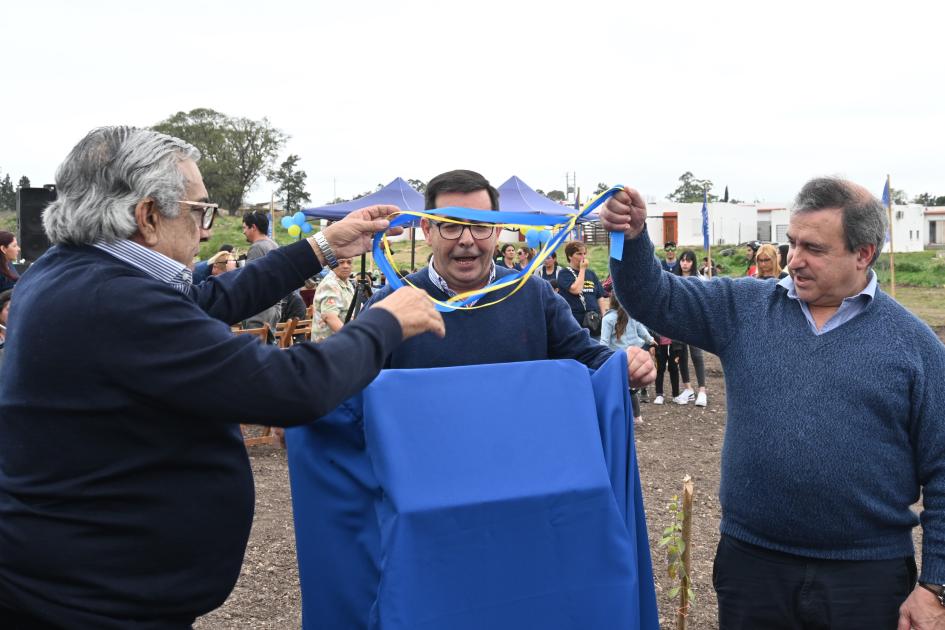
(533, 324)
(125, 489)
(828, 438)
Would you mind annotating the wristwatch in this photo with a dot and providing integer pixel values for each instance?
(326, 250)
(936, 589)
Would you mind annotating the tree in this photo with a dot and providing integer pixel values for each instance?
(235, 151)
(601, 187)
(418, 185)
(898, 197)
(691, 189)
(291, 184)
(24, 182)
(556, 195)
(725, 198)
(7, 195)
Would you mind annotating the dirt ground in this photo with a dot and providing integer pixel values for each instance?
(674, 441)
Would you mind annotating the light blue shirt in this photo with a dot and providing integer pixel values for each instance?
(156, 265)
(849, 308)
(438, 281)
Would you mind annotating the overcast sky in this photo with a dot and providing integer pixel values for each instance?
(759, 96)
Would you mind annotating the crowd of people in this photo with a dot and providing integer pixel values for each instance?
(126, 498)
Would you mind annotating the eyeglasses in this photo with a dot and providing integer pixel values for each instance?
(452, 231)
(670, 248)
(207, 211)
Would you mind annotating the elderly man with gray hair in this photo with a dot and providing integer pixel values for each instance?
(126, 495)
(825, 454)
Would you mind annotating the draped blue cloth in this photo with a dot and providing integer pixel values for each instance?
(474, 497)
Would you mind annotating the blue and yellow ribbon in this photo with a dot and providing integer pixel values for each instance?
(506, 220)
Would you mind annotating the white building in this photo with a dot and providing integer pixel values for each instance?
(934, 230)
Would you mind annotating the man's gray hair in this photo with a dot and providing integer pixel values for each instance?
(863, 215)
(105, 176)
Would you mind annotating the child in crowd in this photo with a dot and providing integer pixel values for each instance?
(618, 332)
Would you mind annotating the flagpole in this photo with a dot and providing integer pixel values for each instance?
(892, 252)
(705, 231)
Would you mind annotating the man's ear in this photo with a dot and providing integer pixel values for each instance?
(864, 255)
(147, 218)
(426, 228)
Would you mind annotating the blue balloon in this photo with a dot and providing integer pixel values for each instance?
(286, 222)
(532, 239)
(544, 236)
(306, 228)
(298, 218)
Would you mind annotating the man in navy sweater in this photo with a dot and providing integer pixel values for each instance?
(532, 324)
(126, 495)
(824, 455)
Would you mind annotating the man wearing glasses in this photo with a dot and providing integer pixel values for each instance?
(532, 324)
(126, 496)
(670, 250)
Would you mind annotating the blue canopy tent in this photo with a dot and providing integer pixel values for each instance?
(517, 196)
(397, 193)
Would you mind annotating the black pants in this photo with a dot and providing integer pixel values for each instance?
(758, 588)
(665, 360)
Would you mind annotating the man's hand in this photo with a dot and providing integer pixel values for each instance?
(640, 368)
(921, 611)
(584, 264)
(415, 312)
(624, 212)
(352, 235)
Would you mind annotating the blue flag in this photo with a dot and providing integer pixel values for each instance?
(705, 221)
(886, 193)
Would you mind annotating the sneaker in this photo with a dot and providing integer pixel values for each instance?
(644, 397)
(701, 400)
(638, 422)
(682, 399)
(687, 395)
(658, 400)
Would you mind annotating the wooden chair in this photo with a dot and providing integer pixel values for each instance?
(270, 435)
(262, 332)
(284, 332)
(303, 330)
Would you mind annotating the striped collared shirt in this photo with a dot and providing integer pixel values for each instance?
(438, 280)
(849, 308)
(156, 265)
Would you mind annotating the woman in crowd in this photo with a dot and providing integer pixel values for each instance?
(618, 332)
(508, 257)
(767, 262)
(549, 269)
(581, 288)
(751, 248)
(332, 299)
(4, 313)
(681, 352)
(9, 253)
(525, 256)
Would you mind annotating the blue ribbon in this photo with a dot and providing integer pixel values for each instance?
(497, 218)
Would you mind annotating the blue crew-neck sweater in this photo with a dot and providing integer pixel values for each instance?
(829, 438)
(533, 324)
(126, 496)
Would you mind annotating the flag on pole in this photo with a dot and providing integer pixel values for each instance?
(886, 199)
(705, 220)
(887, 203)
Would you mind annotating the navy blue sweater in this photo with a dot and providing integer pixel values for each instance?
(533, 324)
(125, 489)
(828, 438)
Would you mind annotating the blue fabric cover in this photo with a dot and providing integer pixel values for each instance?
(457, 515)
